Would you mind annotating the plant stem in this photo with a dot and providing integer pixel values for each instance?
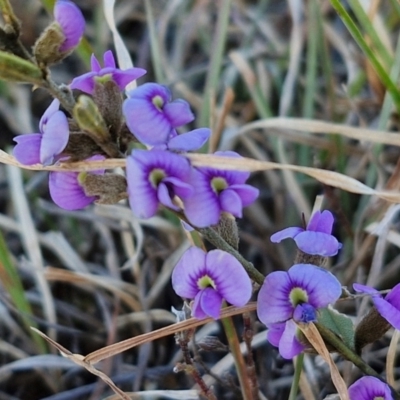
(296, 379)
(345, 351)
(238, 357)
(220, 243)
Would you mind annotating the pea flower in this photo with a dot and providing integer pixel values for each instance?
(122, 78)
(70, 19)
(217, 191)
(370, 388)
(66, 188)
(155, 177)
(151, 115)
(287, 297)
(44, 147)
(316, 239)
(388, 307)
(209, 279)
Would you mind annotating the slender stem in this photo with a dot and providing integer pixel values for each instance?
(345, 351)
(64, 95)
(296, 379)
(220, 243)
(234, 346)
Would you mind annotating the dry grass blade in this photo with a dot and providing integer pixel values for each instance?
(330, 178)
(322, 127)
(391, 358)
(127, 344)
(314, 337)
(79, 360)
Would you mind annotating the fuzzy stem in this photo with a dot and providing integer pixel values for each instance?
(220, 243)
(345, 351)
(296, 379)
(241, 369)
(63, 94)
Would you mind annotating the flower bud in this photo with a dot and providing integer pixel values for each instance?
(62, 36)
(16, 69)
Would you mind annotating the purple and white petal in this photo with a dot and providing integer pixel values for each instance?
(178, 113)
(202, 208)
(393, 297)
(321, 286)
(369, 388)
(84, 82)
(27, 149)
(164, 197)
(321, 222)
(179, 187)
(187, 271)
(289, 346)
(71, 21)
(109, 60)
(317, 243)
(211, 302)
(142, 195)
(230, 202)
(248, 194)
(273, 303)
(285, 234)
(366, 289)
(55, 137)
(146, 122)
(189, 141)
(231, 280)
(197, 310)
(275, 332)
(388, 311)
(66, 192)
(123, 77)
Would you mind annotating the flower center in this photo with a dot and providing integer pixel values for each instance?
(81, 177)
(156, 176)
(305, 313)
(205, 282)
(218, 184)
(103, 79)
(158, 102)
(298, 296)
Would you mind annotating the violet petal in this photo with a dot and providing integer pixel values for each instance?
(230, 202)
(321, 222)
(27, 149)
(317, 243)
(368, 388)
(289, 346)
(187, 271)
(285, 234)
(189, 141)
(178, 113)
(211, 302)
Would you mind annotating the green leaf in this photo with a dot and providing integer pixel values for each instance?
(338, 323)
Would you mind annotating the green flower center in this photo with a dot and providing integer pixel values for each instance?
(156, 176)
(158, 102)
(218, 184)
(81, 177)
(379, 398)
(104, 78)
(298, 296)
(205, 282)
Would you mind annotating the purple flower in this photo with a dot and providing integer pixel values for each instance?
(370, 388)
(43, 147)
(294, 296)
(86, 82)
(209, 278)
(218, 191)
(71, 21)
(316, 239)
(388, 307)
(66, 189)
(151, 115)
(155, 177)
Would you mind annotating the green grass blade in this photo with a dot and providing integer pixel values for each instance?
(369, 53)
(13, 285)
